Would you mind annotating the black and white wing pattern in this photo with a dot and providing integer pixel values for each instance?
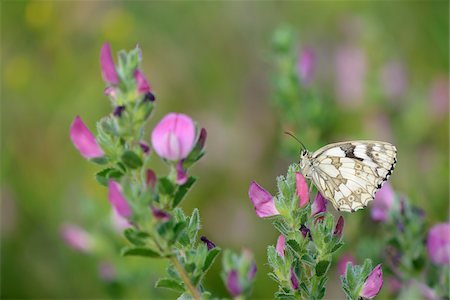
(349, 173)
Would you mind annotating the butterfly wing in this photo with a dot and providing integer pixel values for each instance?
(349, 173)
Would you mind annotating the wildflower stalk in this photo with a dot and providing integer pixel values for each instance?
(149, 203)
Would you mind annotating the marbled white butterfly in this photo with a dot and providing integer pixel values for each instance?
(349, 173)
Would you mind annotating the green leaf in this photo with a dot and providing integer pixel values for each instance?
(337, 247)
(136, 237)
(284, 296)
(295, 247)
(100, 160)
(104, 175)
(177, 230)
(131, 159)
(322, 267)
(165, 186)
(308, 259)
(281, 226)
(171, 284)
(194, 225)
(210, 258)
(182, 191)
(139, 251)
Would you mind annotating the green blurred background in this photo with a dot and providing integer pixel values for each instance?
(213, 61)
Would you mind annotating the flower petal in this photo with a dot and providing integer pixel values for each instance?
(262, 201)
(233, 285)
(174, 136)
(301, 189)
(373, 283)
(438, 243)
(339, 227)
(142, 85)
(76, 237)
(319, 205)
(117, 199)
(84, 140)
(107, 65)
(281, 244)
(382, 203)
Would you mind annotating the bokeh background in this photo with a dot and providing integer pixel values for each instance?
(382, 66)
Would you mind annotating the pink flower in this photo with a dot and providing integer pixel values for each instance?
(373, 283)
(439, 97)
(107, 65)
(233, 284)
(117, 199)
(342, 263)
(382, 204)
(174, 136)
(262, 201)
(76, 238)
(319, 205)
(306, 66)
(150, 179)
(393, 79)
(301, 189)
(84, 140)
(438, 244)
(281, 244)
(350, 68)
(119, 223)
(181, 173)
(141, 82)
(339, 227)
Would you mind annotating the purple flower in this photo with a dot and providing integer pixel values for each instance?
(343, 261)
(262, 201)
(438, 244)
(84, 140)
(107, 271)
(160, 214)
(142, 85)
(201, 139)
(339, 227)
(373, 283)
(174, 136)
(117, 200)
(107, 65)
(393, 79)
(76, 238)
(438, 97)
(294, 280)
(281, 244)
(119, 223)
(382, 205)
(305, 231)
(252, 272)
(306, 66)
(144, 147)
(181, 173)
(118, 110)
(233, 285)
(319, 205)
(208, 243)
(150, 179)
(301, 188)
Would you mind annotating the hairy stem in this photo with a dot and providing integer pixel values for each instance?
(194, 292)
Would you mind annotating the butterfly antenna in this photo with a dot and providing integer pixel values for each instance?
(292, 135)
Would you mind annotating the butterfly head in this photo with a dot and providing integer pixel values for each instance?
(305, 163)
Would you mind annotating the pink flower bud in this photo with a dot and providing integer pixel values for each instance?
(119, 223)
(84, 140)
(319, 205)
(233, 284)
(209, 244)
(76, 238)
(142, 85)
(382, 203)
(262, 201)
(438, 244)
(373, 283)
(306, 66)
(201, 139)
(117, 199)
(339, 227)
(181, 173)
(281, 244)
(160, 214)
(174, 136)
(301, 188)
(294, 280)
(342, 263)
(107, 65)
(150, 179)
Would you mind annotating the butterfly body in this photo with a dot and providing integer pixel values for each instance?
(348, 174)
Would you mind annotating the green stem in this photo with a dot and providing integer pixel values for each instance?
(192, 290)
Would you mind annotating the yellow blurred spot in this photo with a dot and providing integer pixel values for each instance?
(38, 13)
(117, 25)
(17, 72)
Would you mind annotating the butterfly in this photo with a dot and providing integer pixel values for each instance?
(348, 174)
